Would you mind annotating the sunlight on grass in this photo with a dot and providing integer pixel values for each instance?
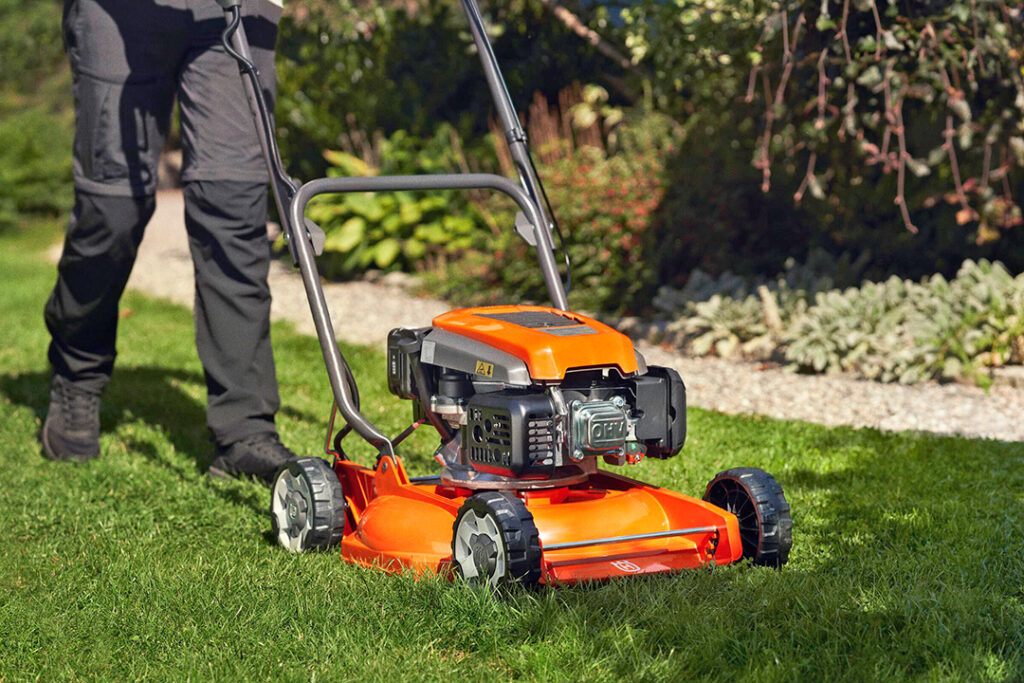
(908, 558)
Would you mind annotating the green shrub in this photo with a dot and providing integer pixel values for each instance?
(830, 118)
(904, 331)
(31, 45)
(604, 205)
(35, 165)
(400, 230)
(348, 69)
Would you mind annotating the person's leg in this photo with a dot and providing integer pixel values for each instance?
(226, 212)
(122, 110)
(81, 314)
(226, 223)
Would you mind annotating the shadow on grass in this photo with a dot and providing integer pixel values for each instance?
(156, 396)
(908, 557)
(908, 560)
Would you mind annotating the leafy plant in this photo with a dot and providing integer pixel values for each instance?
(894, 330)
(31, 45)
(904, 331)
(400, 230)
(793, 142)
(604, 206)
(349, 69)
(35, 166)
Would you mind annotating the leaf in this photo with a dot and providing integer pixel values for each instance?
(434, 202)
(411, 214)
(345, 238)
(432, 232)
(815, 188)
(349, 164)
(366, 205)
(583, 116)
(702, 344)
(612, 116)
(414, 248)
(724, 348)
(392, 224)
(871, 77)
(385, 252)
(960, 107)
(917, 167)
(824, 23)
(594, 94)
(458, 225)
(891, 42)
(1017, 145)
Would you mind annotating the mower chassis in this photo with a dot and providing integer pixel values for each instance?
(610, 526)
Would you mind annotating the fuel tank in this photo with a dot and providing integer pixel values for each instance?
(550, 341)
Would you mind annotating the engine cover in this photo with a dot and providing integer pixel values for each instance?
(509, 432)
(548, 340)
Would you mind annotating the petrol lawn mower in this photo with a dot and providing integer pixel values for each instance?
(526, 401)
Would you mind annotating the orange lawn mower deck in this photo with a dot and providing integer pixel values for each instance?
(409, 526)
(526, 402)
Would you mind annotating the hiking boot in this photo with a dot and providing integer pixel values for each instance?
(72, 427)
(259, 456)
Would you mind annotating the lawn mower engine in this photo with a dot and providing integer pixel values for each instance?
(528, 396)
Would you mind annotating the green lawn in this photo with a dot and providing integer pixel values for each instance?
(908, 560)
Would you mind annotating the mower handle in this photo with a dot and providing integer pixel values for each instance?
(318, 303)
(292, 201)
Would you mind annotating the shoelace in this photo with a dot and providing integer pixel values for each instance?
(79, 407)
(269, 446)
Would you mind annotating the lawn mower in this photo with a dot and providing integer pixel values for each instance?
(526, 401)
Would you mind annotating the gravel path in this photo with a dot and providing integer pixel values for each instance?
(164, 269)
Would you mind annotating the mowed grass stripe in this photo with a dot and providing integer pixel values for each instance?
(908, 559)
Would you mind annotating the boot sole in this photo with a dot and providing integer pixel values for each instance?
(215, 472)
(52, 454)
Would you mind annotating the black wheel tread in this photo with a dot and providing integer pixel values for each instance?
(773, 512)
(328, 511)
(522, 540)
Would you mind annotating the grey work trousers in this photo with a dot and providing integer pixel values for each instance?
(129, 60)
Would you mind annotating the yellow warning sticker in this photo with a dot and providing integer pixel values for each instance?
(484, 369)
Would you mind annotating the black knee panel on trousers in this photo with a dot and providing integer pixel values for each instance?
(102, 240)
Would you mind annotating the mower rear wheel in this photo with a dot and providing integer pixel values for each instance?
(756, 499)
(307, 505)
(495, 542)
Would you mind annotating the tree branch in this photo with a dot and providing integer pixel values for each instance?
(574, 24)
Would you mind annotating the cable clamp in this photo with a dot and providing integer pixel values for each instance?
(516, 135)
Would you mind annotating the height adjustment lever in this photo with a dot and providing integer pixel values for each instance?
(524, 228)
(316, 235)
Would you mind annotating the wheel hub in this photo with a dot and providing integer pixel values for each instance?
(485, 554)
(296, 510)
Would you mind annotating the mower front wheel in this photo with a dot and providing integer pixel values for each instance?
(495, 542)
(307, 506)
(753, 495)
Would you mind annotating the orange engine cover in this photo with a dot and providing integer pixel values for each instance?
(548, 340)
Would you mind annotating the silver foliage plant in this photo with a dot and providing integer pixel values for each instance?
(892, 331)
